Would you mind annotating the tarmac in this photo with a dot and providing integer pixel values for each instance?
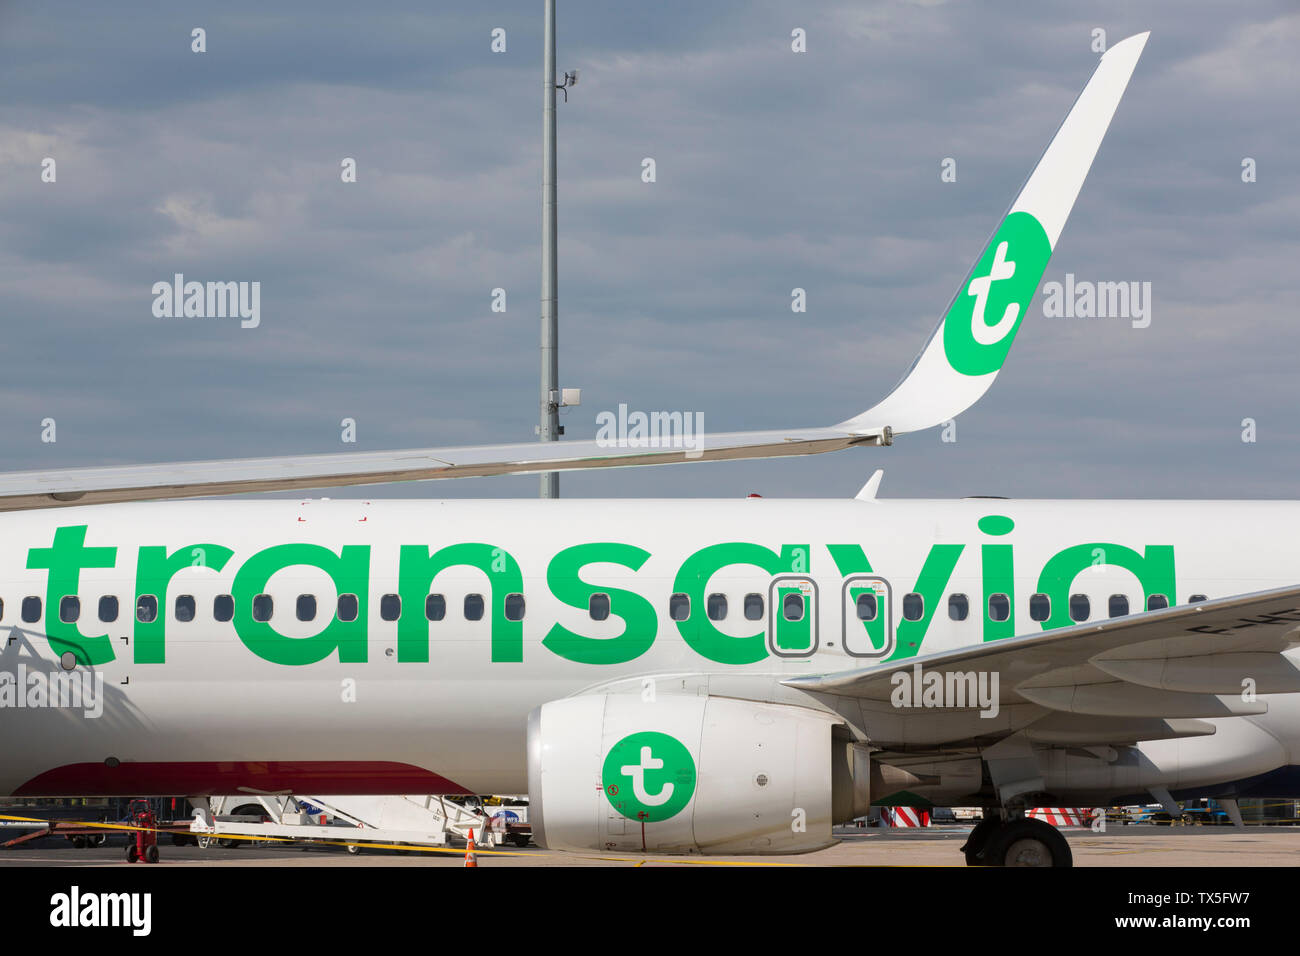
(1118, 846)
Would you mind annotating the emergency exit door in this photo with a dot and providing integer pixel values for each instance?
(792, 616)
(868, 615)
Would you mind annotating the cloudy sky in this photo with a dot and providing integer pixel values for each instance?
(775, 170)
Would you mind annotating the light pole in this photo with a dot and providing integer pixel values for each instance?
(549, 428)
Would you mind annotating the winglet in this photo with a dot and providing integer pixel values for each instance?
(970, 344)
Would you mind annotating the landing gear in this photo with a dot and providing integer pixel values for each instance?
(1022, 842)
(973, 848)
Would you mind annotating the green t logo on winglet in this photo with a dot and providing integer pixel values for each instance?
(982, 322)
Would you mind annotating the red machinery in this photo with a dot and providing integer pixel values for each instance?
(145, 845)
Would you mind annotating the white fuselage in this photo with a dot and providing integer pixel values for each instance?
(202, 705)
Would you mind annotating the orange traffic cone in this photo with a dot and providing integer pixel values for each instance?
(470, 858)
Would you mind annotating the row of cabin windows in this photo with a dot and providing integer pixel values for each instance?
(1040, 606)
(598, 607)
(305, 608)
(753, 607)
(390, 607)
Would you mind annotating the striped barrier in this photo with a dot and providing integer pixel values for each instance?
(1061, 816)
(904, 817)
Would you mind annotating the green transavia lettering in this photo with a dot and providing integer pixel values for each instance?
(569, 580)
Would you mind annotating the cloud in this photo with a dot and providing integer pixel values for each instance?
(776, 170)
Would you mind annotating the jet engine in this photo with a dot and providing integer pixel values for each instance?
(689, 775)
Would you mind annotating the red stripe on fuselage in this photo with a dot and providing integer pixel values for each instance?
(200, 779)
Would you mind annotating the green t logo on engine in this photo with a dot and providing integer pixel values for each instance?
(648, 776)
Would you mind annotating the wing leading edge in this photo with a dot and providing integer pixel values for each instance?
(82, 486)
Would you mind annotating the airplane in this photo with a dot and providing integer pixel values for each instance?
(667, 676)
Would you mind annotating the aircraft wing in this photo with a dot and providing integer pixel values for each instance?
(80, 486)
(1153, 675)
(955, 368)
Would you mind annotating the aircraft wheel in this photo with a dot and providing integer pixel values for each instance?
(978, 840)
(1028, 842)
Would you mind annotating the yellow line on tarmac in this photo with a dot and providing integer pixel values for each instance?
(639, 860)
(261, 838)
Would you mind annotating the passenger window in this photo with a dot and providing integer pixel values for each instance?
(349, 606)
(390, 607)
(716, 607)
(184, 607)
(598, 606)
(753, 607)
(108, 610)
(514, 607)
(2, 609)
(958, 607)
(1157, 602)
(1040, 607)
(263, 608)
(867, 609)
(913, 606)
(1117, 606)
(31, 610)
(70, 609)
(1196, 599)
(435, 607)
(473, 607)
(679, 607)
(146, 609)
(792, 607)
(223, 607)
(999, 607)
(306, 608)
(1080, 607)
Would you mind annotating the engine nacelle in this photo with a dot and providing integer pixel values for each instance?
(689, 775)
